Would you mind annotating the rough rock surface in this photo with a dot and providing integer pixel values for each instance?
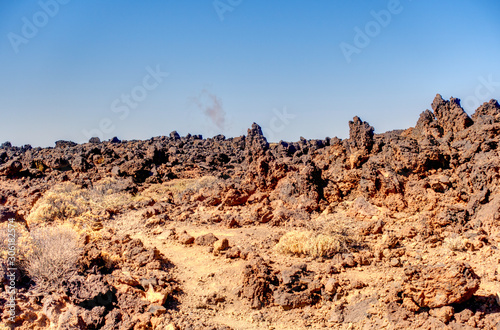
(257, 280)
(440, 285)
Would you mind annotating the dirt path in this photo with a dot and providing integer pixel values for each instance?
(209, 283)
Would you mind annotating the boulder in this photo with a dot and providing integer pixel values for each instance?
(257, 279)
(11, 168)
(255, 142)
(440, 285)
(65, 144)
(221, 245)
(206, 240)
(94, 140)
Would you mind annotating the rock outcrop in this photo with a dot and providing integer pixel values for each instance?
(440, 285)
(450, 115)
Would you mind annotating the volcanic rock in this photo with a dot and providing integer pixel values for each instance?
(440, 285)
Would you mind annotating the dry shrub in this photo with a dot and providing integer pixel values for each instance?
(324, 236)
(61, 202)
(160, 192)
(3, 250)
(68, 201)
(21, 234)
(309, 243)
(52, 256)
(107, 194)
(180, 187)
(457, 243)
(207, 181)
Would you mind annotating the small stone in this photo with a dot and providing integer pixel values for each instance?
(206, 240)
(444, 314)
(333, 269)
(157, 310)
(331, 285)
(349, 260)
(185, 238)
(378, 227)
(220, 245)
(233, 253)
(337, 315)
(233, 223)
(126, 278)
(395, 262)
(464, 316)
(440, 285)
(145, 282)
(155, 297)
(410, 305)
(165, 234)
(357, 284)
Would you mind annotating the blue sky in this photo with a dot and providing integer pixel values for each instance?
(71, 69)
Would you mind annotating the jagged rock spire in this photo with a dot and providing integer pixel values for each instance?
(491, 108)
(255, 141)
(360, 134)
(450, 115)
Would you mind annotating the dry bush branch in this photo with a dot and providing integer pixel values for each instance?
(52, 257)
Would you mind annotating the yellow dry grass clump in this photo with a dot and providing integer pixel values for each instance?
(179, 187)
(324, 236)
(457, 243)
(159, 192)
(19, 233)
(68, 202)
(314, 244)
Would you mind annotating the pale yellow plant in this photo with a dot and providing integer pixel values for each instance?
(52, 256)
(314, 244)
(20, 234)
(179, 187)
(69, 202)
(457, 243)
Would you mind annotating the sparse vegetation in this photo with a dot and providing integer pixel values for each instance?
(52, 257)
(69, 202)
(314, 244)
(159, 192)
(457, 243)
(21, 234)
(3, 248)
(180, 187)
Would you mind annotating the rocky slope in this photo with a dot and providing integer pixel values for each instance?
(423, 203)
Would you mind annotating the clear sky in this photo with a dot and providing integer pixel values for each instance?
(71, 69)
